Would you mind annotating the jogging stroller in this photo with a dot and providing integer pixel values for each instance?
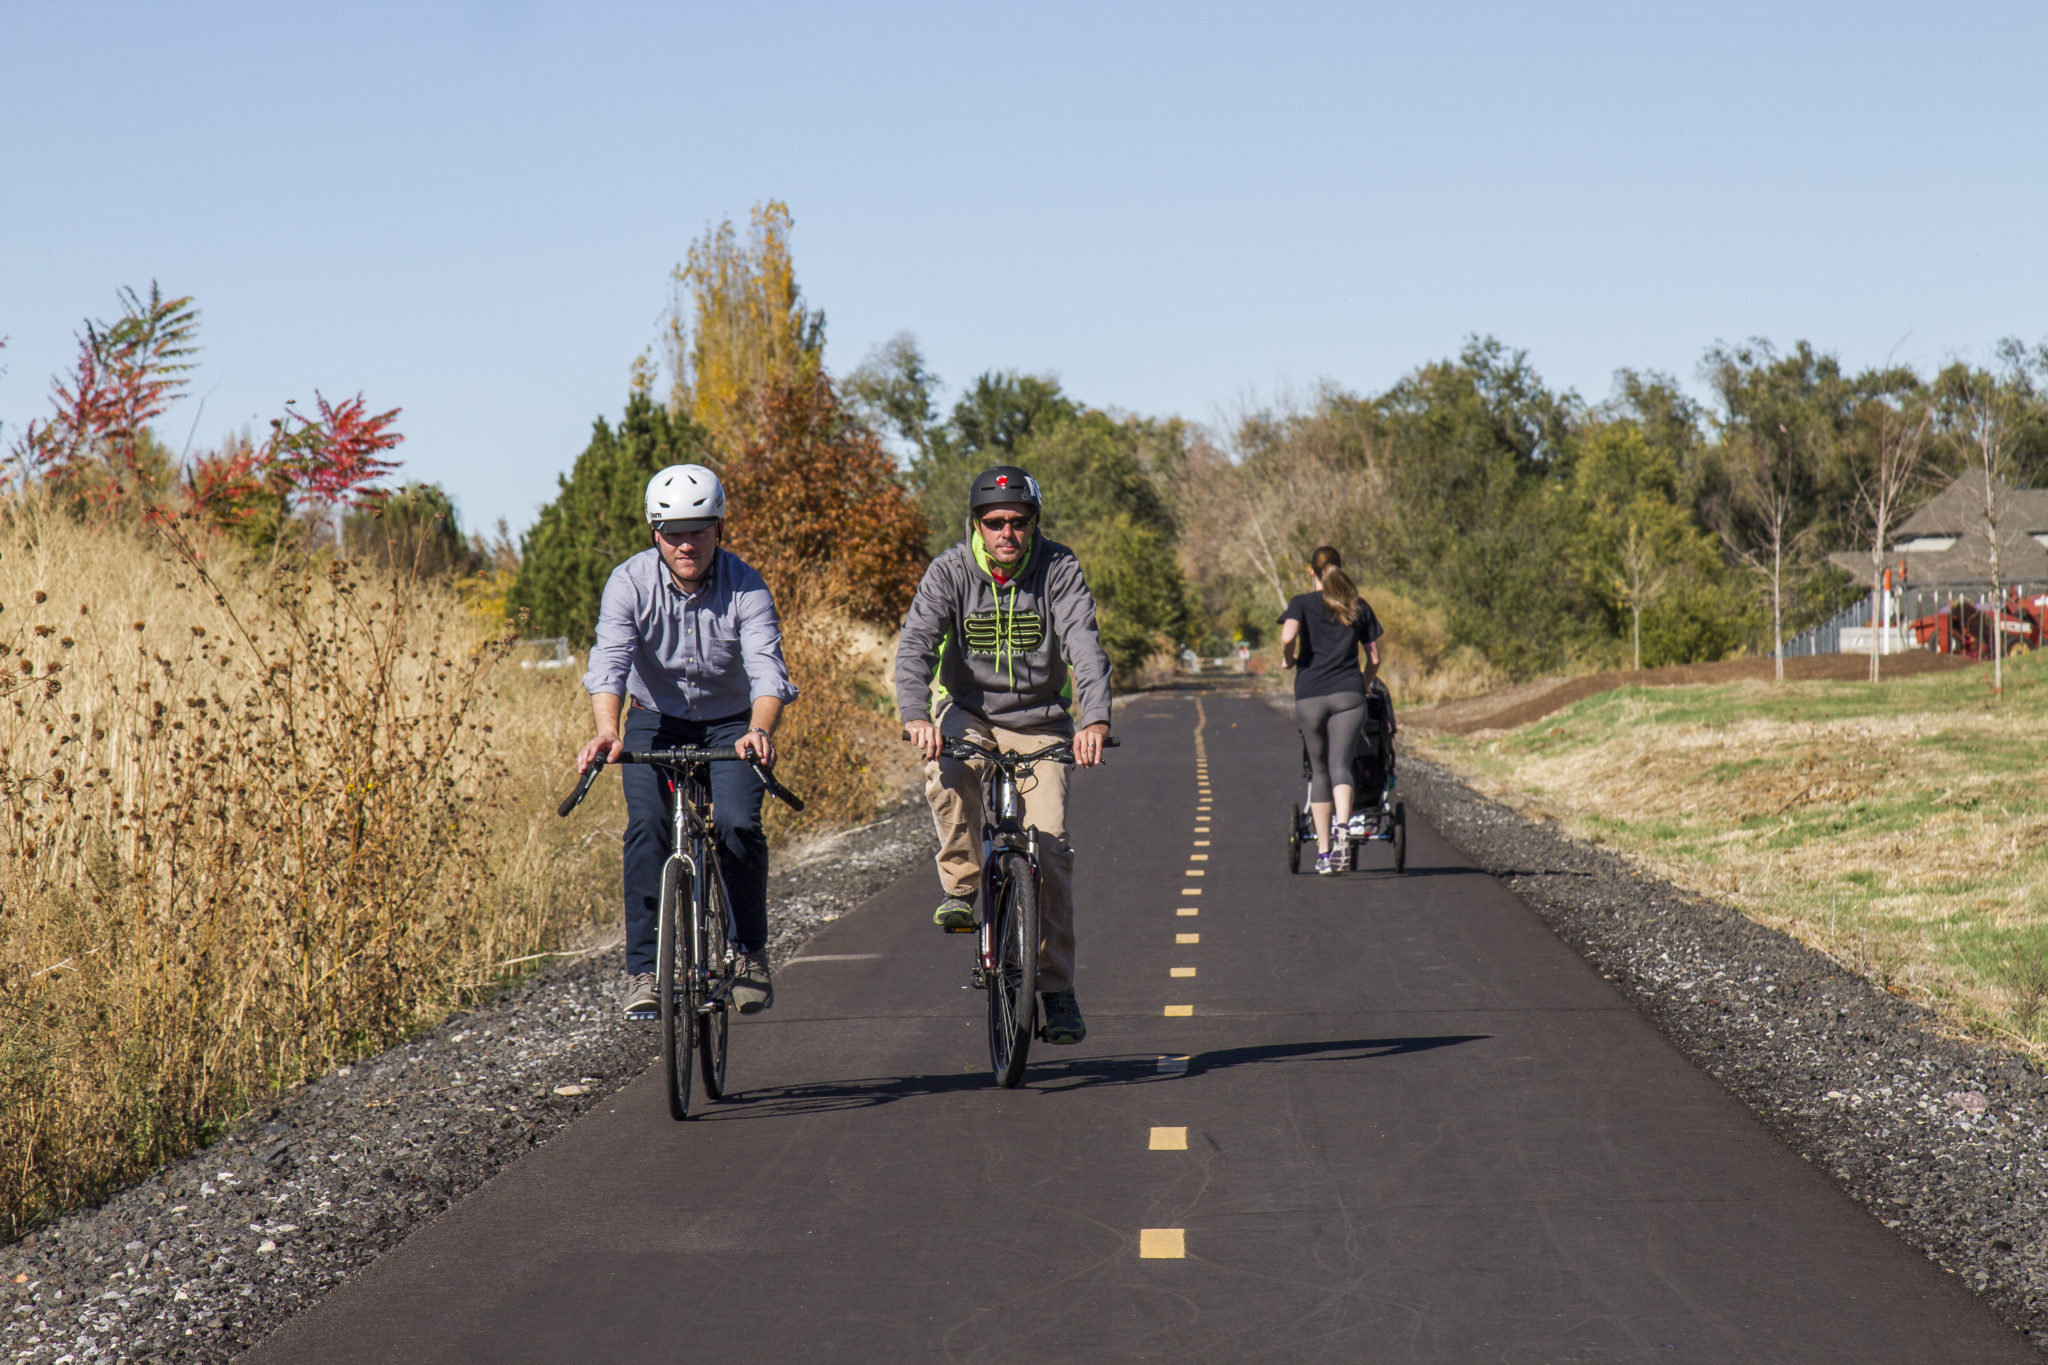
(1376, 816)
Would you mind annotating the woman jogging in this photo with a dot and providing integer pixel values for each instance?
(1321, 633)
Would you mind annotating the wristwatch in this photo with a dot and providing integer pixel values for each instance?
(757, 730)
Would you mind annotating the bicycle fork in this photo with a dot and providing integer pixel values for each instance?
(992, 896)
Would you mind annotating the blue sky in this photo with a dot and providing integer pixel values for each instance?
(469, 210)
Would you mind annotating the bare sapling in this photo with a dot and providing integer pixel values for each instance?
(1885, 489)
(1640, 579)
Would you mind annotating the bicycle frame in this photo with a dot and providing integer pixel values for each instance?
(1002, 802)
(689, 796)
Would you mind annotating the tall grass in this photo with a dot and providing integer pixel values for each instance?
(259, 818)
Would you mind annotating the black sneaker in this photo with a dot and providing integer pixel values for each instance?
(1063, 1023)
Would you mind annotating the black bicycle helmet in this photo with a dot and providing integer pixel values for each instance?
(1002, 483)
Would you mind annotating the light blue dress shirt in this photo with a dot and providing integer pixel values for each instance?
(696, 657)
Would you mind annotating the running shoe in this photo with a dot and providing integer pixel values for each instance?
(1340, 854)
(1323, 868)
(955, 915)
(1063, 1023)
(753, 990)
(1359, 828)
(637, 997)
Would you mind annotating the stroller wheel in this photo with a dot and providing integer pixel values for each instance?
(1294, 838)
(1400, 836)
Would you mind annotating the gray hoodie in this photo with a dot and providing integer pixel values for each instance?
(1004, 651)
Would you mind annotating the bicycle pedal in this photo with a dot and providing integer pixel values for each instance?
(961, 928)
(642, 1016)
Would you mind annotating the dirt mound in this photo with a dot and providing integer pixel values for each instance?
(1527, 702)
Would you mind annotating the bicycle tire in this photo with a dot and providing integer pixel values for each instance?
(672, 981)
(1294, 838)
(715, 985)
(1013, 983)
(1401, 837)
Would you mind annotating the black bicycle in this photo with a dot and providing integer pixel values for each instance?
(694, 962)
(1006, 957)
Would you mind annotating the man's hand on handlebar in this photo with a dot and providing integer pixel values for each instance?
(1088, 745)
(756, 747)
(926, 737)
(603, 749)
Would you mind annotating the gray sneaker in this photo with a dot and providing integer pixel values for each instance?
(753, 990)
(637, 997)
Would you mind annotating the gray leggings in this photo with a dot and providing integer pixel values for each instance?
(1329, 726)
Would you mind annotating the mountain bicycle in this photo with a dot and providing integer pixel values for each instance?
(1006, 952)
(695, 964)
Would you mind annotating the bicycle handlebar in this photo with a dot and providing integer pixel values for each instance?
(966, 749)
(676, 758)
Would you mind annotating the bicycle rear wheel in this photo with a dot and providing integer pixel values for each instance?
(1400, 837)
(672, 981)
(715, 981)
(1294, 838)
(1013, 984)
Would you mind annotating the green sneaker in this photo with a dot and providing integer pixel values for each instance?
(955, 915)
(1063, 1023)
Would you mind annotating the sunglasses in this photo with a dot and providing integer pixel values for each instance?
(1007, 523)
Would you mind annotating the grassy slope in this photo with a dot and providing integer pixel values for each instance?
(1900, 828)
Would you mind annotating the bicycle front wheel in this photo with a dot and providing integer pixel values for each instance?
(672, 981)
(1013, 982)
(715, 982)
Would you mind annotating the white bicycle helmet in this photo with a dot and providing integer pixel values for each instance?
(685, 492)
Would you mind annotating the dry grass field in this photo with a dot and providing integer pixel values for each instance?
(261, 818)
(1900, 828)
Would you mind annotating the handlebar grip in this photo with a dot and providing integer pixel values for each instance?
(780, 792)
(575, 798)
(1112, 742)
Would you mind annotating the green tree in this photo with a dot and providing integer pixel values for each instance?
(414, 531)
(989, 424)
(598, 518)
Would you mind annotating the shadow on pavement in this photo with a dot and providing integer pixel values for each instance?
(1058, 1075)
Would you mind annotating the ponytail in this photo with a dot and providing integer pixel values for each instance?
(1340, 594)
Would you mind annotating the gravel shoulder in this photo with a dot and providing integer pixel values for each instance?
(1943, 1139)
(208, 1255)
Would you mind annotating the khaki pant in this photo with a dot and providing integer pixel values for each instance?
(954, 790)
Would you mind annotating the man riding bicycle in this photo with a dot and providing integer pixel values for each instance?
(999, 639)
(689, 632)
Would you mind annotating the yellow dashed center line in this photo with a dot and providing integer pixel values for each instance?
(1163, 1244)
(1196, 872)
(1173, 1063)
(1201, 843)
(1180, 971)
(1179, 1011)
(1198, 857)
(1187, 910)
(1187, 938)
(1169, 1140)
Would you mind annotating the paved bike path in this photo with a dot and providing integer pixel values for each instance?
(1416, 1126)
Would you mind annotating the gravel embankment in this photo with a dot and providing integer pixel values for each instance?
(205, 1257)
(1942, 1139)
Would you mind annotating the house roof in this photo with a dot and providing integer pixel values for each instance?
(1957, 512)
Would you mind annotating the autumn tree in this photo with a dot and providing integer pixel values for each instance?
(816, 507)
(737, 327)
(97, 447)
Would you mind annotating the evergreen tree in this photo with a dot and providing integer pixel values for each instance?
(598, 518)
